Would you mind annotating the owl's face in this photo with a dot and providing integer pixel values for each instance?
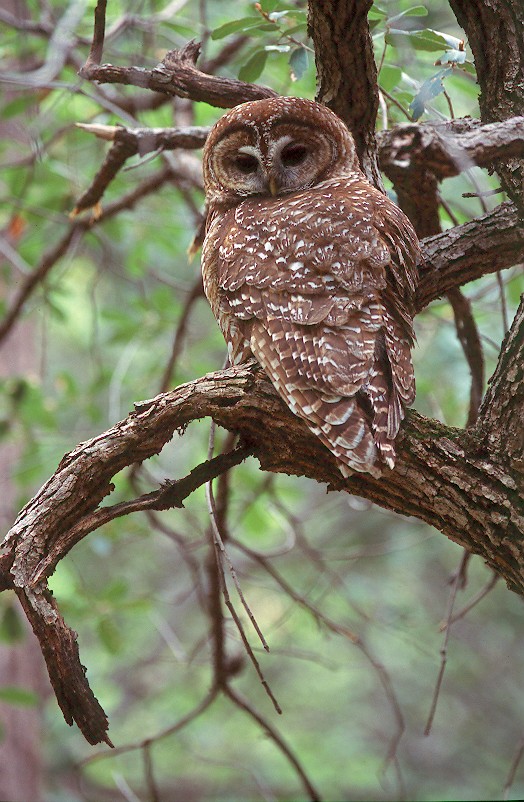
(274, 147)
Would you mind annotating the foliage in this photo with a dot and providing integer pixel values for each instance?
(100, 331)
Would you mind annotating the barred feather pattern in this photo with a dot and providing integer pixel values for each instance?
(317, 284)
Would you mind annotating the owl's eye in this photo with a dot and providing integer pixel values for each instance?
(292, 155)
(245, 163)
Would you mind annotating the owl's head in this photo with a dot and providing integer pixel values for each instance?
(274, 147)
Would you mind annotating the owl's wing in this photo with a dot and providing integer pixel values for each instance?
(308, 289)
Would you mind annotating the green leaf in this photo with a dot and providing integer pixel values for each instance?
(11, 628)
(298, 62)
(376, 13)
(414, 11)
(109, 635)
(254, 67)
(452, 57)
(14, 695)
(389, 77)
(425, 39)
(469, 67)
(430, 89)
(242, 24)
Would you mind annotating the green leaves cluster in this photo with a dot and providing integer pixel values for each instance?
(282, 23)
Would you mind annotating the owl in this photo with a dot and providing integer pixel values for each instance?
(312, 271)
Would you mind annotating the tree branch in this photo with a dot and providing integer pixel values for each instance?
(495, 31)
(448, 148)
(452, 479)
(467, 252)
(177, 75)
(346, 71)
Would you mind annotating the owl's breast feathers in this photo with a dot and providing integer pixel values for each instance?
(318, 285)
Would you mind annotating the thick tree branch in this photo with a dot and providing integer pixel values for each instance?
(467, 252)
(177, 75)
(495, 31)
(452, 479)
(448, 148)
(346, 71)
(241, 399)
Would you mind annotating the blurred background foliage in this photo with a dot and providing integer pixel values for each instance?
(100, 331)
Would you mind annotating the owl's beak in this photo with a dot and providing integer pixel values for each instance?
(273, 185)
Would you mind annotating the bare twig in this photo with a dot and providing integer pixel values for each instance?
(97, 46)
(444, 648)
(128, 142)
(197, 711)
(277, 739)
(196, 292)
(519, 753)
(488, 587)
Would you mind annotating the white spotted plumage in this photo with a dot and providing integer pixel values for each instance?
(312, 271)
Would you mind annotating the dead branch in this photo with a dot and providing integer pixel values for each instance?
(177, 75)
(129, 142)
(448, 148)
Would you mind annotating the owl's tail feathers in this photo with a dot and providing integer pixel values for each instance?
(341, 425)
(387, 413)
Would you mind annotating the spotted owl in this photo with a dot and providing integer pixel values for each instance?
(312, 271)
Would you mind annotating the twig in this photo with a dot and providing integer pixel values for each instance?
(488, 587)
(128, 142)
(97, 46)
(468, 334)
(220, 555)
(76, 229)
(177, 75)
(503, 304)
(194, 295)
(149, 773)
(220, 542)
(344, 631)
(277, 739)
(170, 495)
(513, 769)
(171, 730)
(443, 650)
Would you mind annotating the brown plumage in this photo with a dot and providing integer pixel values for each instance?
(312, 271)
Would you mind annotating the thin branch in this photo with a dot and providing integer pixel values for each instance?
(468, 335)
(97, 46)
(171, 730)
(488, 587)
(76, 230)
(128, 142)
(171, 495)
(277, 739)
(444, 647)
(196, 292)
(344, 631)
(519, 753)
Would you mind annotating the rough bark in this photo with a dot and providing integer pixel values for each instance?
(495, 31)
(346, 71)
(177, 75)
(467, 483)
